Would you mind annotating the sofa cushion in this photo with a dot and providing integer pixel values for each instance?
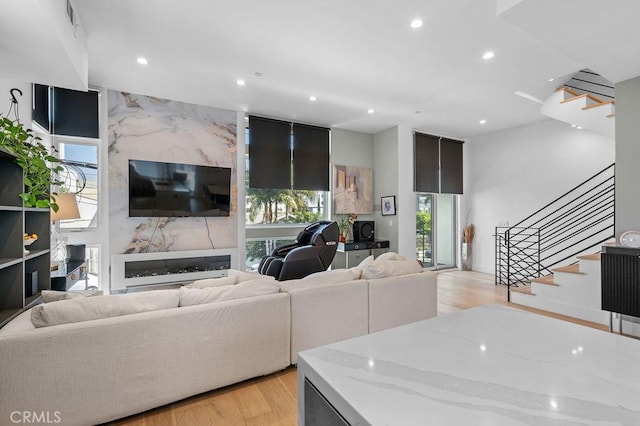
(390, 268)
(92, 308)
(20, 324)
(49, 296)
(247, 276)
(214, 282)
(332, 276)
(251, 288)
(357, 270)
(390, 256)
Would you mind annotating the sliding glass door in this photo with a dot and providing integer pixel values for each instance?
(436, 224)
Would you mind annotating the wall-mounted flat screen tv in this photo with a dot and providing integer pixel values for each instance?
(178, 190)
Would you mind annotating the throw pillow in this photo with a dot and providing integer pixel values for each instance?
(391, 268)
(390, 256)
(246, 276)
(214, 282)
(357, 270)
(251, 288)
(92, 308)
(49, 296)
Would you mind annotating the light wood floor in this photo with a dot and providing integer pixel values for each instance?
(271, 400)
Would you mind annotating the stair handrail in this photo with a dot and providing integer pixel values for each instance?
(565, 194)
(541, 241)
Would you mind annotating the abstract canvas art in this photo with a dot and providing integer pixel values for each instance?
(352, 190)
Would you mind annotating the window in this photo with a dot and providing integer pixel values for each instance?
(274, 217)
(285, 155)
(436, 222)
(437, 164)
(80, 176)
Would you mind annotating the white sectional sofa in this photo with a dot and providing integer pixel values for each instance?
(329, 307)
(153, 353)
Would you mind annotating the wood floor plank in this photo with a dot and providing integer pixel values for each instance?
(271, 400)
(223, 409)
(280, 399)
(250, 401)
(289, 378)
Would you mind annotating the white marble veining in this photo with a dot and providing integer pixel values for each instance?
(146, 128)
(491, 365)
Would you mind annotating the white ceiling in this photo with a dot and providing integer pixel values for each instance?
(360, 54)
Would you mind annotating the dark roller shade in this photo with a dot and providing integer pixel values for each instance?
(310, 158)
(40, 107)
(74, 113)
(450, 166)
(269, 153)
(426, 163)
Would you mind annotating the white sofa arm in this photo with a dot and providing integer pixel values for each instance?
(326, 313)
(403, 299)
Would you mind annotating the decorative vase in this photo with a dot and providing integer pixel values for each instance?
(342, 238)
(466, 257)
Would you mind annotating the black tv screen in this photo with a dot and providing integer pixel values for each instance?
(171, 189)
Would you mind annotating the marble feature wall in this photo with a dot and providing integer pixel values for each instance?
(146, 128)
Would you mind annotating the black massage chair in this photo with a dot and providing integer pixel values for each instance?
(313, 251)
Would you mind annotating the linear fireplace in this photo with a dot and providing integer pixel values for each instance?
(138, 269)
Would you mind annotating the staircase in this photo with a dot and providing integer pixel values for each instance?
(586, 101)
(572, 290)
(549, 260)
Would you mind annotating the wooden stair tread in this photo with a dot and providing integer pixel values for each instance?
(523, 290)
(593, 256)
(586, 95)
(598, 105)
(569, 91)
(570, 269)
(545, 280)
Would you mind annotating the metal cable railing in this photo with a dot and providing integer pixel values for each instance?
(574, 223)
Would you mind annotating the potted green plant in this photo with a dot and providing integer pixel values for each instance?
(34, 158)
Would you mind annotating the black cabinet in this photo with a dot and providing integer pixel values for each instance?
(620, 276)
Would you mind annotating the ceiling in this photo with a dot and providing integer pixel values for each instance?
(360, 54)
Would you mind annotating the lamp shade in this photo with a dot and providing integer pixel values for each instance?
(67, 207)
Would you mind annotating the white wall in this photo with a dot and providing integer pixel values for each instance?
(627, 155)
(510, 174)
(385, 182)
(24, 101)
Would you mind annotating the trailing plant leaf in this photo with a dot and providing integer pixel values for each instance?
(34, 159)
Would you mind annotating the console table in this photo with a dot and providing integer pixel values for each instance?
(356, 251)
(490, 365)
(68, 274)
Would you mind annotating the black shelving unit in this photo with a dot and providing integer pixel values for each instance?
(16, 265)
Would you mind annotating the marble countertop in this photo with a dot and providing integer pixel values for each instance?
(490, 365)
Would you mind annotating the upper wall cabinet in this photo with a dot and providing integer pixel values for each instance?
(66, 112)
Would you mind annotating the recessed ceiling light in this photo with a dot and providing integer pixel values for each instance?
(574, 125)
(240, 82)
(483, 121)
(312, 98)
(488, 55)
(371, 110)
(551, 79)
(416, 23)
(579, 127)
(142, 60)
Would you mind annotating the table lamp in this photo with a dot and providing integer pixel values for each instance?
(67, 209)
